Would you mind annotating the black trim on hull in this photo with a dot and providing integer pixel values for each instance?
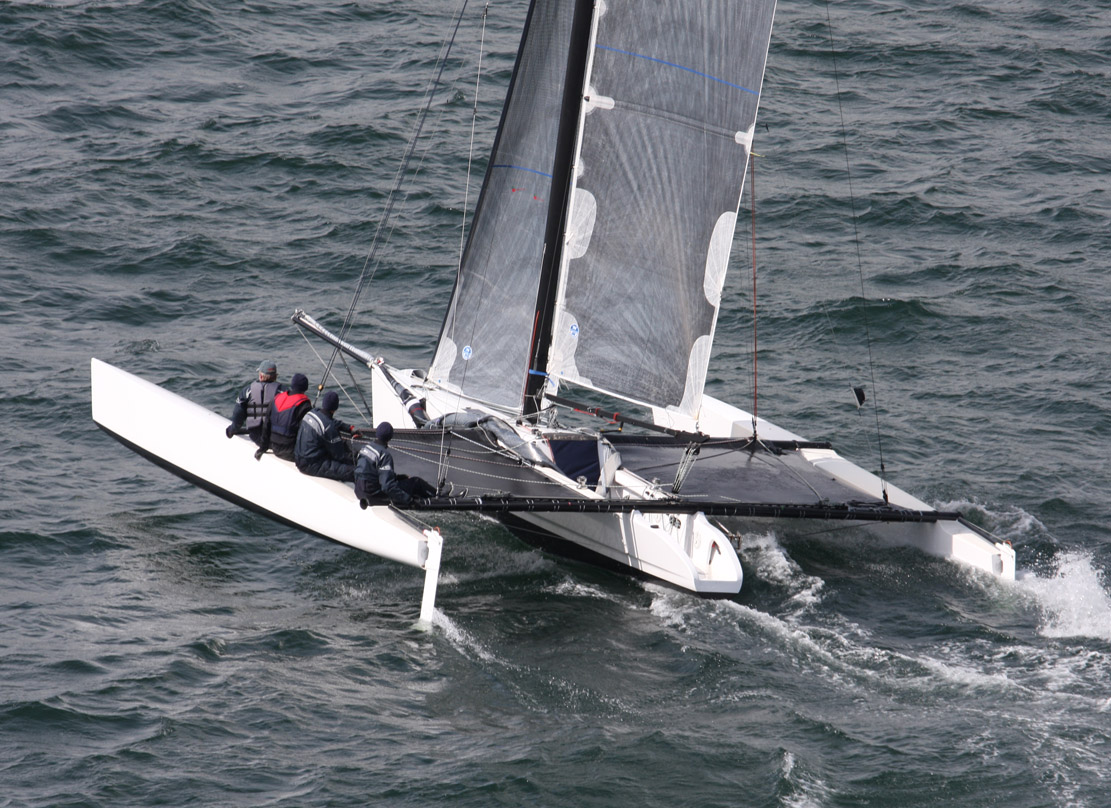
(684, 439)
(849, 512)
(983, 533)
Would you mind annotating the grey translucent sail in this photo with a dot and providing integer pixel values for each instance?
(484, 343)
(666, 126)
(667, 129)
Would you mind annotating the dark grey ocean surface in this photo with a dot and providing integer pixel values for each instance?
(177, 176)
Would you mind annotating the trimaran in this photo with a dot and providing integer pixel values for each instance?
(595, 262)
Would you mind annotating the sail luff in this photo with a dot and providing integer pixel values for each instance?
(566, 148)
(449, 319)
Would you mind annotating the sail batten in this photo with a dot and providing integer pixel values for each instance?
(678, 66)
(523, 168)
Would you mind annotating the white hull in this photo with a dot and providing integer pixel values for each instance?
(189, 440)
(694, 555)
(683, 550)
(652, 544)
(945, 538)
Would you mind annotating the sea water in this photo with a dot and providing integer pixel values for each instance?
(177, 176)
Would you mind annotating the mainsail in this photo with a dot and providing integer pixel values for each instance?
(665, 116)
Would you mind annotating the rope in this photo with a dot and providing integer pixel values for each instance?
(859, 262)
(470, 147)
(365, 412)
(685, 466)
(512, 462)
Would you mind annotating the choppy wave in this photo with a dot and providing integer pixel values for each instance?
(178, 176)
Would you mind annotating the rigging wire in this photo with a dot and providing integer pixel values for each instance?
(470, 147)
(685, 465)
(859, 262)
(365, 411)
(330, 374)
(398, 183)
(441, 470)
(752, 189)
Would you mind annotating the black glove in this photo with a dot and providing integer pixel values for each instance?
(230, 431)
(259, 454)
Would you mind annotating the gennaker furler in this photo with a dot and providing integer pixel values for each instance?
(593, 271)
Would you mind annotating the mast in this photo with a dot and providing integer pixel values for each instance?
(563, 170)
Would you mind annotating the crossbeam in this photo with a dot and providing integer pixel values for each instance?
(862, 512)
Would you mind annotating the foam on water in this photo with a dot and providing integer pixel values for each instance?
(764, 557)
(1074, 601)
(1010, 523)
(460, 638)
(713, 621)
(674, 608)
(569, 587)
(1055, 694)
(849, 655)
(800, 788)
(1072, 597)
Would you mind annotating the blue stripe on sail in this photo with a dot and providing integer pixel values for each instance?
(680, 67)
(521, 168)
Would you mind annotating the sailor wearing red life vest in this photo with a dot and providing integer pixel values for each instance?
(279, 432)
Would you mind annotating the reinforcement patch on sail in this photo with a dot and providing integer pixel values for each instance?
(717, 257)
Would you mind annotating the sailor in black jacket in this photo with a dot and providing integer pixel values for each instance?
(320, 451)
(375, 478)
